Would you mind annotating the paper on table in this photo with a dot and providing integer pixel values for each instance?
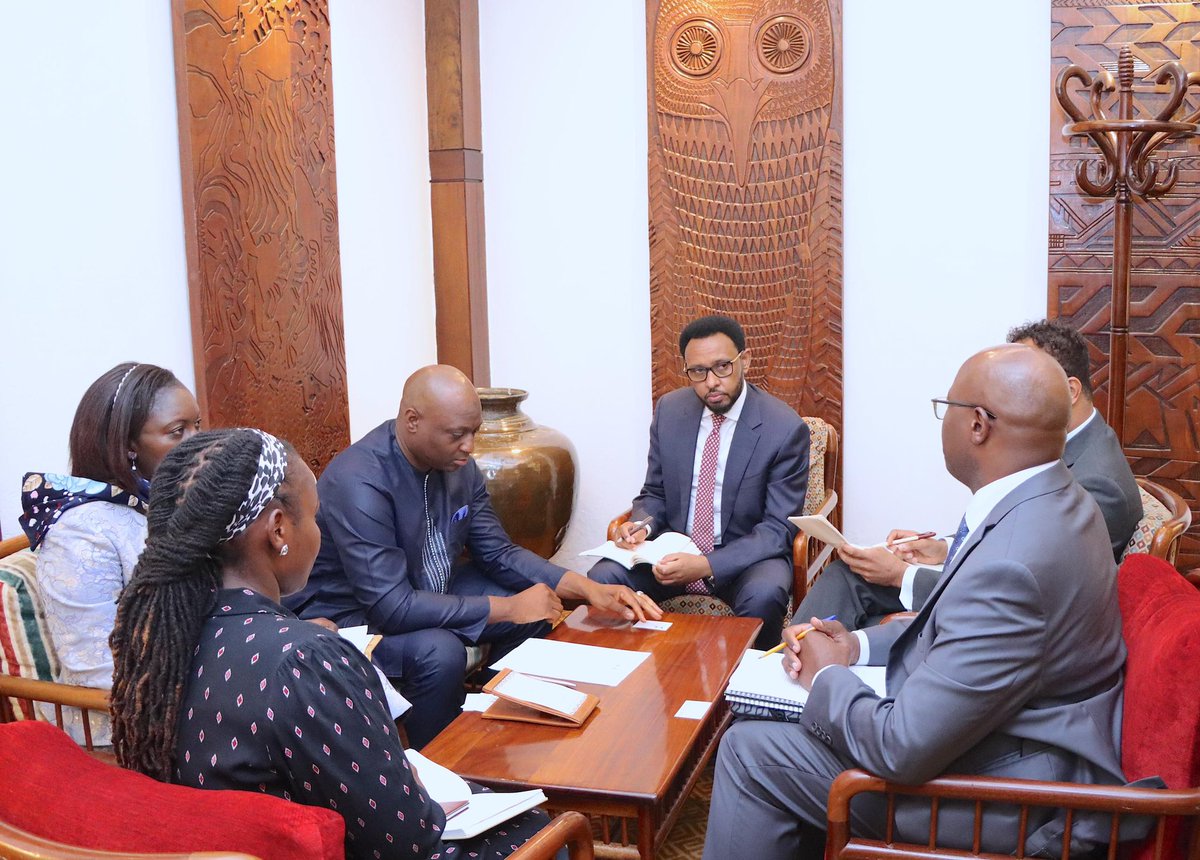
(693, 710)
(551, 696)
(568, 661)
(479, 702)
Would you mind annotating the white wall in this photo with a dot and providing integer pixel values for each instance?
(946, 231)
(380, 120)
(92, 260)
(567, 258)
(92, 269)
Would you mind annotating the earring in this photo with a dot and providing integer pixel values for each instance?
(283, 550)
(132, 462)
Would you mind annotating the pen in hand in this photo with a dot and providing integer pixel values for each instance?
(638, 526)
(911, 538)
(801, 635)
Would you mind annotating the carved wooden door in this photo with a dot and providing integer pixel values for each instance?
(1163, 402)
(745, 187)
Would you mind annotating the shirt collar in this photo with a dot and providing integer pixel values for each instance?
(245, 601)
(735, 411)
(1072, 434)
(988, 496)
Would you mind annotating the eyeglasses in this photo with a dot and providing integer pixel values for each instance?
(721, 370)
(940, 406)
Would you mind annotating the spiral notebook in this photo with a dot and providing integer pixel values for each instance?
(760, 689)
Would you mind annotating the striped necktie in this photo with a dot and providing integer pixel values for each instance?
(703, 526)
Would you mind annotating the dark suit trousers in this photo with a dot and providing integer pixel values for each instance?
(428, 667)
(761, 591)
(856, 603)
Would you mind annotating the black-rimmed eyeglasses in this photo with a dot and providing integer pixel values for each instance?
(940, 406)
(721, 370)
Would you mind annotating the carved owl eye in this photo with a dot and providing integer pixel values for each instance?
(783, 44)
(696, 47)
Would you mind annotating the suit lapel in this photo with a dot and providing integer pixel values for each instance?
(680, 447)
(745, 439)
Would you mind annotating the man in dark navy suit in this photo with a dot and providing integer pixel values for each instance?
(398, 509)
(728, 465)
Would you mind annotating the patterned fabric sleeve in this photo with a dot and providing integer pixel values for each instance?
(340, 749)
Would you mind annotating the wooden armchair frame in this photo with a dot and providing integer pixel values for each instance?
(31, 691)
(18, 844)
(1165, 543)
(570, 829)
(1119, 800)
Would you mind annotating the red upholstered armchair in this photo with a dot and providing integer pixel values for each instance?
(1160, 614)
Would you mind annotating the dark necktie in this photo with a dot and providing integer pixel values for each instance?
(434, 558)
(959, 536)
(703, 527)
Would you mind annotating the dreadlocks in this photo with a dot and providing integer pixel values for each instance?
(195, 492)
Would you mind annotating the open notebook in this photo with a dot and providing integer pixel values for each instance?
(760, 688)
(469, 814)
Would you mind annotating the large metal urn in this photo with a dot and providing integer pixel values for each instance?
(530, 471)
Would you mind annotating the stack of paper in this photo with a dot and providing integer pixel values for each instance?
(469, 814)
(566, 661)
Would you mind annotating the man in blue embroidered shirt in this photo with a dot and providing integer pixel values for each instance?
(398, 509)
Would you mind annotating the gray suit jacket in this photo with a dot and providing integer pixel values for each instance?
(766, 476)
(1097, 462)
(1013, 667)
(1095, 458)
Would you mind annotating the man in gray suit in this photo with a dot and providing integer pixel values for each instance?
(871, 582)
(728, 464)
(1012, 668)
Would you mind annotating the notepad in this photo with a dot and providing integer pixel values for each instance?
(531, 700)
(761, 688)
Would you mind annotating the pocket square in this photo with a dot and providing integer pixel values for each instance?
(460, 514)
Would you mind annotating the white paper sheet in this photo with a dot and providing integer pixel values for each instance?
(571, 662)
(479, 702)
(693, 710)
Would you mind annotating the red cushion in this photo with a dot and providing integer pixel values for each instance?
(54, 789)
(1160, 620)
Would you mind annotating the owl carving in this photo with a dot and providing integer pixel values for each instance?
(745, 173)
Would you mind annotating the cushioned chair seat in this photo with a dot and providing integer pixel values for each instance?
(24, 648)
(97, 805)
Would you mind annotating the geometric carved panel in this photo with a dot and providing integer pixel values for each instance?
(1160, 433)
(253, 83)
(745, 169)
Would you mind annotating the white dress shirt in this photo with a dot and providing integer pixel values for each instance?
(727, 429)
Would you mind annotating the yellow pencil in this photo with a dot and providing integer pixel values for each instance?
(803, 633)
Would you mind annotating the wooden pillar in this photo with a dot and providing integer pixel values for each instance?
(456, 187)
(255, 103)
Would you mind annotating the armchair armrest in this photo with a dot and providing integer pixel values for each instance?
(59, 695)
(20, 844)
(1120, 800)
(570, 829)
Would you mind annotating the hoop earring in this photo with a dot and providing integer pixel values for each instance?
(283, 550)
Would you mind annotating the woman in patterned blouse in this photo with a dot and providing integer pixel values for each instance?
(216, 685)
(88, 527)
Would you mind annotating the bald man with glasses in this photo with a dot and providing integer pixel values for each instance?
(728, 464)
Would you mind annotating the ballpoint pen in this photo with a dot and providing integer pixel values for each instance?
(802, 634)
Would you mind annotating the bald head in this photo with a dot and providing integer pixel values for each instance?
(1027, 391)
(439, 414)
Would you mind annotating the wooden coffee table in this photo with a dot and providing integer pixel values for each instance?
(633, 760)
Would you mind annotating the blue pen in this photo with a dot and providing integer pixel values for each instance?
(783, 645)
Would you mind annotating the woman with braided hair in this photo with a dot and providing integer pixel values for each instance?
(216, 685)
(89, 526)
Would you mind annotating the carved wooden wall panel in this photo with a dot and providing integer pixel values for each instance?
(1160, 435)
(255, 104)
(746, 187)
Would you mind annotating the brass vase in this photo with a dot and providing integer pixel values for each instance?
(530, 471)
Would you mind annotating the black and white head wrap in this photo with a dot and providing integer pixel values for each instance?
(272, 467)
